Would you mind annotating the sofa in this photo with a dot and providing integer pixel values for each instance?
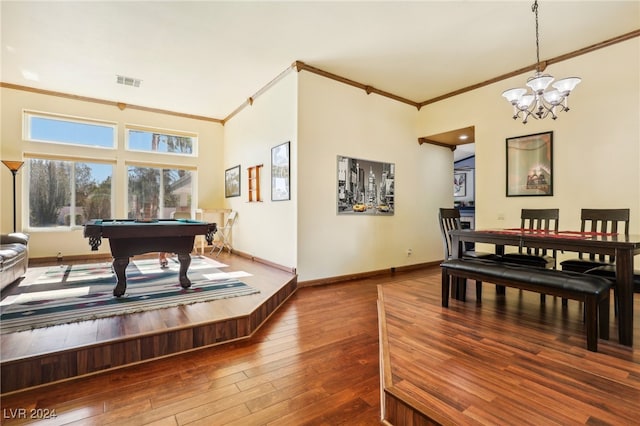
(14, 257)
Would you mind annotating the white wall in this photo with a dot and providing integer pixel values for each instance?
(47, 243)
(266, 230)
(596, 153)
(335, 119)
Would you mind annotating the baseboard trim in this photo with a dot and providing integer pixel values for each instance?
(368, 274)
(264, 261)
(44, 261)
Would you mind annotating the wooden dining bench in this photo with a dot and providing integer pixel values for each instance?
(593, 291)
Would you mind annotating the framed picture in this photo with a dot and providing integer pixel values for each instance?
(280, 179)
(232, 182)
(365, 187)
(459, 184)
(530, 165)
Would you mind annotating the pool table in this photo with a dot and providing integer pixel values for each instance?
(128, 237)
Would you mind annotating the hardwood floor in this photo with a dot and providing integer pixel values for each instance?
(316, 361)
(47, 355)
(509, 360)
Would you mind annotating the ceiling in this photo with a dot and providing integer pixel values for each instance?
(206, 58)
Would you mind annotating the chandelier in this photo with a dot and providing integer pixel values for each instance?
(540, 102)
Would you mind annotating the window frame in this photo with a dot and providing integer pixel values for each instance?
(118, 156)
(62, 158)
(165, 132)
(161, 167)
(26, 128)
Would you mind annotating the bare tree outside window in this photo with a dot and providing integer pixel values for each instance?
(67, 193)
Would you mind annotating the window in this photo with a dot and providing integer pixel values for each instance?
(152, 140)
(60, 129)
(156, 193)
(69, 185)
(68, 193)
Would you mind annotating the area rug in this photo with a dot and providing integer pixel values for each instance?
(71, 293)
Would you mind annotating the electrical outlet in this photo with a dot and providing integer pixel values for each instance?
(409, 252)
(59, 256)
(500, 216)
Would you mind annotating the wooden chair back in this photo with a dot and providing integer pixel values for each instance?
(449, 219)
(539, 220)
(612, 221)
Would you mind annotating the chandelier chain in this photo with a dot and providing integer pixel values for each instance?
(534, 9)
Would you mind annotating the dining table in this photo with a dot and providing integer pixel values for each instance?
(623, 246)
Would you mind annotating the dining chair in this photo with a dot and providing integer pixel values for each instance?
(449, 219)
(598, 221)
(544, 220)
(224, 234)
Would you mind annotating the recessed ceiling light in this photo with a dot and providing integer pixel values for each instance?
(463, 137)
(128, 81)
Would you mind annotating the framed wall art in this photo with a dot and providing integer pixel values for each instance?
(530, 165)
(365, 187)
(280, 178)
(459, 184)
(232, 182)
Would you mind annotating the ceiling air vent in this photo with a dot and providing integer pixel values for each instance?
(128, 81)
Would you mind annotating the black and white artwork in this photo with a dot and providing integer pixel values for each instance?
(365, 187)
(232, 182)
(280, 169)
(459, 184)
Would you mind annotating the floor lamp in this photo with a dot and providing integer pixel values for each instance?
(14, 166)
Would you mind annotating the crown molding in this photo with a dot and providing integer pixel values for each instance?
(532, 67)
(120, 105)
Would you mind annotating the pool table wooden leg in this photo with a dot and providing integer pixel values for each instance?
(120, 266)
(185, 261)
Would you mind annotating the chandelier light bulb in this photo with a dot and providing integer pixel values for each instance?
(539, 82)
(566, 85)
(525, 102)
(553, 97)
(513, 95)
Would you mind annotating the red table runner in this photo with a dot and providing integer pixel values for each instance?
(559, 234)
